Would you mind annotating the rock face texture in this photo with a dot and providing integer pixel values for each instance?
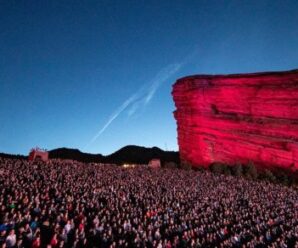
(238, 118)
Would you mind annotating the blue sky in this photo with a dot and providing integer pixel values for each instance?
(98, 75)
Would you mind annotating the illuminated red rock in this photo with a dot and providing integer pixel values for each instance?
(238, 118)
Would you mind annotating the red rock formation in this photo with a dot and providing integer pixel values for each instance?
(238, 118)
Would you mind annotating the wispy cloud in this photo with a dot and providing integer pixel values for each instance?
(143, 96)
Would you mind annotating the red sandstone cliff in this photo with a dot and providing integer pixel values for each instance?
(238, 118)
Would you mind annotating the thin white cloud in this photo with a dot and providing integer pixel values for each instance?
(143, 96)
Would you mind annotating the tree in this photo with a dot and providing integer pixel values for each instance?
(238, 170)
(251, 171)
(227, 170)
(219, 168)
(268, 175)
(283, 178)
(185, 165)
(170, 165)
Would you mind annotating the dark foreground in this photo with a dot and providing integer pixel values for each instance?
(87, 205)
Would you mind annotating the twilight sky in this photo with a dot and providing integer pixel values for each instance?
(97, 75)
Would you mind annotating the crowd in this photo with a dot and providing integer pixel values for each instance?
(70, 204)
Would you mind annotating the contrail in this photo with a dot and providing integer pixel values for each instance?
(112, 118)
(143, 96)
(162, 76)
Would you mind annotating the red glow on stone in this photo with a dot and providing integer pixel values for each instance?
(238, 118)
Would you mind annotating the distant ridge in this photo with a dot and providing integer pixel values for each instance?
(127, 154)
(141, 155)
(75, 154)
(6, 155)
